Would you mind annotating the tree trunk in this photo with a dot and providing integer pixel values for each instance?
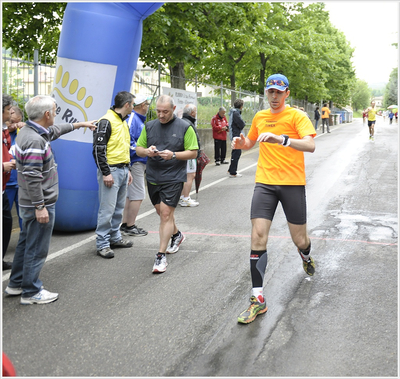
(262, 82)
(233, 83)
(178, 76)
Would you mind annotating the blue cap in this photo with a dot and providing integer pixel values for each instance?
(277, 81)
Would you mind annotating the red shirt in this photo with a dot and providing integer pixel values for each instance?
(6, 155)
(217, 124)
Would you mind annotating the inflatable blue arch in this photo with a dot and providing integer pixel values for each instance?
(97, 55)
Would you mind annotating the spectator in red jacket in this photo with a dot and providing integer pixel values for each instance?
(8, 165)
(220, 126)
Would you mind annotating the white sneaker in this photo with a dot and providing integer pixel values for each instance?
(175, 243)
(160, 264)
(13, 291)
(236, 176)
(188, 203)
(42, 297)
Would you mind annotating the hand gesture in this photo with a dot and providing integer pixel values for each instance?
(238, 142)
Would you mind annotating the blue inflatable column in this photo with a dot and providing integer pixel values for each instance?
(97, 55)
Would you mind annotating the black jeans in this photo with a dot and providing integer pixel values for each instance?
(234, 161)
(325, 121)
(219, 150)
(7, 223)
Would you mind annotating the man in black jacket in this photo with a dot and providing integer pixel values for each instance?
(237, 125)
(111, 152)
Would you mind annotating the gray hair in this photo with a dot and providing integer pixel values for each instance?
(221, 109)
(189, 108)
(7, 100)
(166, 99)
(37, 106)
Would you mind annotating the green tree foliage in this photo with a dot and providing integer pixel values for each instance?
(170, 40)
(29, 26)
(361, 95)
(238, 44)
(391, 91)
(234, 40)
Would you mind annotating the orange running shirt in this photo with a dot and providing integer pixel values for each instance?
(325, 112)
(279, 165)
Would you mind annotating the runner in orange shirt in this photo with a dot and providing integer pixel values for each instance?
(325, 111)
(284, 134)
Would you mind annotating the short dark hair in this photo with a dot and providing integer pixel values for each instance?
(122, 98)
(7, 100)
(238, 103)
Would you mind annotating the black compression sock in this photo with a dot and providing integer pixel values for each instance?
(258, 264)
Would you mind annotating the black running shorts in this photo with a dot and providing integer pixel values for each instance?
(293, 200)
(370, 123)
(168, 193)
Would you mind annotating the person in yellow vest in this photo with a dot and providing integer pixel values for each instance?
(325, 111)
(371, 112)
(111, 152)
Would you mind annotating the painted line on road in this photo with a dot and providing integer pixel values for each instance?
(143, 215)
(287, 237)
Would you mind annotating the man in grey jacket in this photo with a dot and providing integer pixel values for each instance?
(38, 193)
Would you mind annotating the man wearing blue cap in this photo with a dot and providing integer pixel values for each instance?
(284, 134)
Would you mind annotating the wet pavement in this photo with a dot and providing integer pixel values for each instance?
(116, 318)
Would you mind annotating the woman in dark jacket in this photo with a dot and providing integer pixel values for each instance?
(317, 116)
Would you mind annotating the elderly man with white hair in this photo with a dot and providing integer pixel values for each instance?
(38, 193)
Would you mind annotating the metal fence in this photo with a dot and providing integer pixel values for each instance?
(26, 75)
(210, 97)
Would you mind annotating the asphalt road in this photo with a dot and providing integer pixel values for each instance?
(115, 318)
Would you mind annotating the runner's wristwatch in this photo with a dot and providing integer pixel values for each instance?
(286, 140)
(173, 156)
(40, 207)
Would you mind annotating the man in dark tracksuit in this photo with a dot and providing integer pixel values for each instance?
(237, 125)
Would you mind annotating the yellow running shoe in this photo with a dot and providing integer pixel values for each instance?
(251, 312)
(309, 266)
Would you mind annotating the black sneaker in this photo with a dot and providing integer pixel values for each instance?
(134, 231)
(7, 265)
(123, 227)
(121, 243)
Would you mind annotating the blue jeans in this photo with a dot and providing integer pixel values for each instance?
(31, 252)
(112, 203)
(12, 193)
